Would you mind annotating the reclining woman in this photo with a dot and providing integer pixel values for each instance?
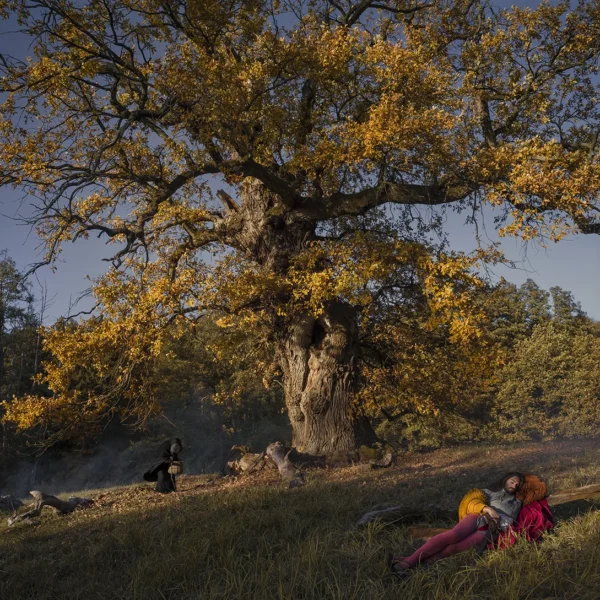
(484, 515)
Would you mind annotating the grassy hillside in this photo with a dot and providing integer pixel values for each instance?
(254, 538)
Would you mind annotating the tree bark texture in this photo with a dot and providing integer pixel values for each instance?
(317, 355)
(263, 230)
(318, 360)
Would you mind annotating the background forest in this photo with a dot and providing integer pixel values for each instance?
(531, 373)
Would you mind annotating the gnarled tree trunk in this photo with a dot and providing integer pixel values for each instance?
(318, 360)
(317, 356)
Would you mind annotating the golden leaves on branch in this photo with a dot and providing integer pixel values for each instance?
(117, 130)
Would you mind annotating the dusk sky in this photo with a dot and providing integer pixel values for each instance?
(572, 264)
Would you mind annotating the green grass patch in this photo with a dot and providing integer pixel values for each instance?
(263, 541)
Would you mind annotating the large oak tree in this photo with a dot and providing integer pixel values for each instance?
(314, 115)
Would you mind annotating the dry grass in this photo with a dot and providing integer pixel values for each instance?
(254, 539)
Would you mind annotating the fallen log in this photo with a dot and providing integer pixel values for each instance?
(59, 506)
(241, 460)
(570, 495)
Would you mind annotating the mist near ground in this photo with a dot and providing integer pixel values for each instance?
(121, 456)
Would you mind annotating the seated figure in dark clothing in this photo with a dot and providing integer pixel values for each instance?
(165, 481)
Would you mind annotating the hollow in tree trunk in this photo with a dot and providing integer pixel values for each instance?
(317, 355)
(318, 360)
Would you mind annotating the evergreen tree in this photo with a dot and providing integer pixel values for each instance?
(551, 386)
(508, 315)
(567, 311)
(15, 299)
(537, 304)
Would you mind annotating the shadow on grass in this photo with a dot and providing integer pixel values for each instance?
(269, 542)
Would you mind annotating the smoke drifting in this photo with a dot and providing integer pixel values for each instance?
(121, 457)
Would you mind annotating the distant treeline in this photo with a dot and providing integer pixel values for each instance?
(533, 374)
(20, 343)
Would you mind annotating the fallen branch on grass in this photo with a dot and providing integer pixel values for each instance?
(570, 495)
(41, 500)
(404, 515)
(243, 462)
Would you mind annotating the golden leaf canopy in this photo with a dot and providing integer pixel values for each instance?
(340, 131)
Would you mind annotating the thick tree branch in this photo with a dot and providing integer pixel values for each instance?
(307, 100)
(483, 110)
(229, 203)
(339, 204)
(272, 182)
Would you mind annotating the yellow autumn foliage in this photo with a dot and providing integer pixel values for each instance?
(316, 118)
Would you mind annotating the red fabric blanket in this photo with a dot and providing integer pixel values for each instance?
(534, 519)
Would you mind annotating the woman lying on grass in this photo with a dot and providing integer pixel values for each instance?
(484, 517)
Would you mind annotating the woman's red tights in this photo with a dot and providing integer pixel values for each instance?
(462, 537)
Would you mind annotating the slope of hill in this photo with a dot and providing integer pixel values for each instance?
(254, 539)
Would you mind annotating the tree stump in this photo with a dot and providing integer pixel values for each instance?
(276, 452)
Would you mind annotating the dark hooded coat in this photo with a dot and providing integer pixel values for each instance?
(159, 472)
